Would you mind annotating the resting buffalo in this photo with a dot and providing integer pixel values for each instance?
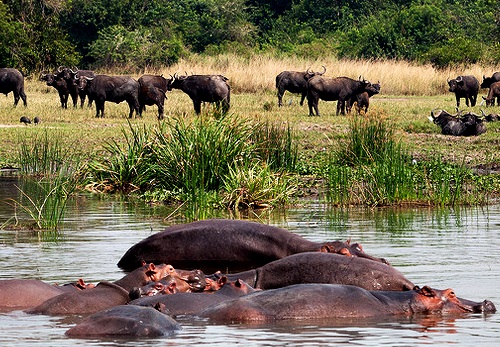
(317, 267)
(330, 301)
(103, 296)
(294, 82)
(363, 100)
(493, 93)
(11, 80)
(331, 89)
(466, 87)
(59, 84)
(220, 244)
(125, 321)
(152, 90)
(487, 81)
(206, 88)
(468, 124)
(102, 88)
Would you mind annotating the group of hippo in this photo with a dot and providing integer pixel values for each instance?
(233, 271)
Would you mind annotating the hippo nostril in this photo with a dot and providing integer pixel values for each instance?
(488, 307)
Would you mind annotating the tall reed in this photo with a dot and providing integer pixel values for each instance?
(49, 166)
(371, 168)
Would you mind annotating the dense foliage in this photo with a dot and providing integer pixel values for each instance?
(39, 34)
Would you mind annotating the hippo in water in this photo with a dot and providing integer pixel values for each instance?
(330, 301)
(125, 321)
(104, 295)
(232, 245)
(22, 294)
(316, 267)
(193, 303)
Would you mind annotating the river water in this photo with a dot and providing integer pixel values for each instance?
(445, 248)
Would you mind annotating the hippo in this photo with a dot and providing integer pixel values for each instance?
(125, 321)
(21, 294)
(337, 301)
(194, 303)
(166, 285)
(317, 267)
(232, 245)
(103, 296)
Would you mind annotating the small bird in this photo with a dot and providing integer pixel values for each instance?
(36, 120)
(25, 120)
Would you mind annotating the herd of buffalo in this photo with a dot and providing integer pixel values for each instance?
(151, 90)
(233, 271)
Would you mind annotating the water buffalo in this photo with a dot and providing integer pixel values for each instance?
(11, 80)
(60, 84)
(216, 244)
(330, 301)
(125, 321)
(294, 82)
(317, 267)
(466, 87)
(493, 93)
(362, 100)
(103, 296)
(102, 88)
(152, 91)
(331, 89)
(487, 81)
(194, 303)
(82, 93)
(207, 88)
(468, 124)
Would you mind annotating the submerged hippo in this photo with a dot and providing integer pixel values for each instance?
(104, 295)
(314, 267)
(125, 321)
(233, 245)
(193, 303)
(324, 301)
(21, 294)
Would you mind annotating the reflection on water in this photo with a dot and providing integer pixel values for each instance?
(456, 248)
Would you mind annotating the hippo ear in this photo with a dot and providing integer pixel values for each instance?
(221, 281)
(427, 291)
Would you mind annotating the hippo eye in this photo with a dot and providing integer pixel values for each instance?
(452, 294)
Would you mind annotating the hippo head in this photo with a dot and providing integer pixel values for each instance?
(349, 250)
(430, 300)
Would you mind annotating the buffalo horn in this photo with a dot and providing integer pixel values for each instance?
(324, 69)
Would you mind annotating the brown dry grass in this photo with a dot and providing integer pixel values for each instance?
(409, 92)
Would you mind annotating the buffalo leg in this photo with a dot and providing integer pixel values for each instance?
(280, 96)
(197, 106)
(304, 94)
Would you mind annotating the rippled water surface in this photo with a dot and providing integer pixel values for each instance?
(456, 249)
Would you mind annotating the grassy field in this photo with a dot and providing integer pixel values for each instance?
(409, 92)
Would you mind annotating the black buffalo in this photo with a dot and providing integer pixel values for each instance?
(102, 88)
(362, 100)
(207, 88)
(53, 80)
(294, 82)
(487, 81)
(466, 87)
(11, 80)
(468, 124)
(71, 78)
(331, 89)
(152, 91)
(493, 93)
